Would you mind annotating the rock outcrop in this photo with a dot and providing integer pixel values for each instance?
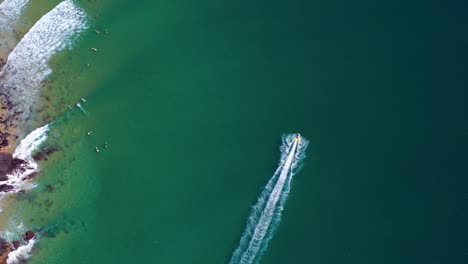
(3, 177)
(43, 154)
(10, 165)
(29, 235)
(17, 165)
(6, 188)
(16, 244)
(6, 160)
(4, 138)
(30, 176)
(5, 248)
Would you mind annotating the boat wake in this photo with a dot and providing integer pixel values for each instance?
(27, 65)
(266, 213)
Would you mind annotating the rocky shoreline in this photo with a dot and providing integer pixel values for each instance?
(14, 170)
(6, 247)
(10, 167)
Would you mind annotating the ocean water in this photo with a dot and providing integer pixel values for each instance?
(192, 98)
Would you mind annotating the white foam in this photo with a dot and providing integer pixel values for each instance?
(10, 10)
(266, 213)
(22, 253)
(27, 65)
(24, 151)
(30, 143)
(13, 230)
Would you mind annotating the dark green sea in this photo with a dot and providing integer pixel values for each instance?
(193, 97)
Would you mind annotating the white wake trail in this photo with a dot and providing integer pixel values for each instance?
(27, 65)
(266, 213)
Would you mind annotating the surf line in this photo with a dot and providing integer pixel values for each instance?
(266, 213)
(11, 10)
(27, 66)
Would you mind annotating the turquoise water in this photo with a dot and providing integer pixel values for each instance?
(192, 99)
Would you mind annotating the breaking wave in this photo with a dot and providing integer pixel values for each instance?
(15, 231)
(17, 179)
(266, 213)
(24, 152)
(21, 79)
(27, 65)
(21, 254)
(11, 10)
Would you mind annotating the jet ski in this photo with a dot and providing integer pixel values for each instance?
(298, 137)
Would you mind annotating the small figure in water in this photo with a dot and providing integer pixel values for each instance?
(97, 149)
(97, 31)
(105, 145)
(89, 132)
(83, 100)
(93, 49)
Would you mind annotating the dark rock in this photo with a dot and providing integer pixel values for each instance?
(6, 160)
(16, 244)
(4, 137)
(3, 177)
(5, 246)
(39, 156)
(49, 203)
(42, 155)
(6, 188)
(29, 235)
(50, 188)
(30, 176)
(17, 164)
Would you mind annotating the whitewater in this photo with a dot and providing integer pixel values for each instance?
(27, 65)
(10, 10)
(10, 13)
(24, 151)
(21, 80)
(266, 213)
(26, 69)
